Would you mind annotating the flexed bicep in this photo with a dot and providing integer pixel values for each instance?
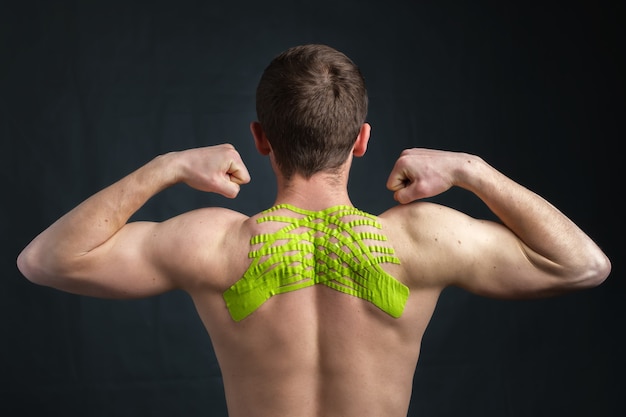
(122, 267)
(497, 264)
(444, 247)
(93, 246)
(534, 249)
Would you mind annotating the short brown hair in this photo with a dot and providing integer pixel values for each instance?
(311, 102)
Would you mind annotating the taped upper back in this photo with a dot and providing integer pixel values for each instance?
(339, 247)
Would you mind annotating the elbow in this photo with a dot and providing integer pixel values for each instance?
(29, 267)
(49, 270)
(36, 268)
(596, 271)
(602, 270)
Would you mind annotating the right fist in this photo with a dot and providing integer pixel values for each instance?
(422, 173)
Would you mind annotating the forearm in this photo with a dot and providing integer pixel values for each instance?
(552, 241)
(95, 220)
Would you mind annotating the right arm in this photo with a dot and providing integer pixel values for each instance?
(535, 250)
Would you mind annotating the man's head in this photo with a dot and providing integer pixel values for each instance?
(311, 103)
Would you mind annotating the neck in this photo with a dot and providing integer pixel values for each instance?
(321, 191)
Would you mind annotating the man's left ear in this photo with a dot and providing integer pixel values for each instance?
(260, 140)
(360, 145)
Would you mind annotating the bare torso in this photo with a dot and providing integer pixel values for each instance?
(314, 351)
(330, 348)
(325, 349)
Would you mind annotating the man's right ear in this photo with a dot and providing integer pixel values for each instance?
(260, 140)
(360, 145)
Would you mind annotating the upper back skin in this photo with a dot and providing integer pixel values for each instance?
(316, 350)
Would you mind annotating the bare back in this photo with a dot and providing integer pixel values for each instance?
(315, 350)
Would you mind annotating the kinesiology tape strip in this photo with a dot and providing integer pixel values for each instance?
(318, 248)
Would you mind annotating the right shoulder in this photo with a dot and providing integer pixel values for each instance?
(416, 216)
(416, 224)
(426, 237)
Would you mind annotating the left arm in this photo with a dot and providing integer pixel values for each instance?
(93, 247)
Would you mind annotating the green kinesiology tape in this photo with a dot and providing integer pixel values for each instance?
(318, 247)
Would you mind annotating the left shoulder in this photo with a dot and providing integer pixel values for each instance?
(203, 243)
(211, 223)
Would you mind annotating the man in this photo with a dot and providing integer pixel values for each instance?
(314, 307)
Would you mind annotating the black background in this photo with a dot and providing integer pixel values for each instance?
(91, 90)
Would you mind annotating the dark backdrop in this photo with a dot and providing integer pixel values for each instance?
(91, 90)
